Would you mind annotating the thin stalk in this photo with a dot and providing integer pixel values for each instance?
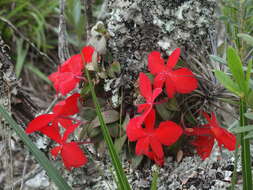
(245, 150)
(234, 178)
(155, 174)
(122, 180)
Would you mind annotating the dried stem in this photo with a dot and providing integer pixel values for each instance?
(63, 51)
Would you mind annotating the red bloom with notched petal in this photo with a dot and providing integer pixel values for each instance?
(180, 80)
(48, 124)
(206, 134)
(69, 74)
(149, 95)
(150, 139)
(72, 155)
(224, 137)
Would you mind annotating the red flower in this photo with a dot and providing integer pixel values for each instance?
(72, 155)
(150, 139)
(69, 73)
(181, 80)
(206, 135)
(150, 96)
(48, 124)
(223, 136)
(87, 53)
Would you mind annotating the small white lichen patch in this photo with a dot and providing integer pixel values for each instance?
(39, 181)
(41, 143)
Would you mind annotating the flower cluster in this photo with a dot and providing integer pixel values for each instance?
(65, 80)
(142, 127)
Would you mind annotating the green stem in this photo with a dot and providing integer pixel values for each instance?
(234, 178)
(245, 150)
(122, 180)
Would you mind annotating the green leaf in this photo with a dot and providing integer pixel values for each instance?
(249, 135)
(136, 160)
(119, 143)
(243, 129)
(228, 83)
(52, 172)
(250, 99)
(249, 115)
(110, 116)
(236, 68)
(247, 38)
(248, 73)
(217, 59)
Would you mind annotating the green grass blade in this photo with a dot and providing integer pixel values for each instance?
(21, 56)
(52, 172)
(122, 180)
(37, 72)
(248, 73)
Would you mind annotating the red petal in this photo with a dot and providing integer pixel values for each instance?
(87, 53)
(68, 131)
(134, 130)
(141, 108)
(157, 148)
(65, 123)
(68, 85)
(75, 64)
(145, 86)
(55, 151)
(170, 88)
(168, 132)
(155, 63)
(67, 107)
(39, 122)
(156, 92)
(224, 138)
(159, 80)
(152, 156)
(150, 120)
(73, 156)
(142, 146)
(204, 145)
(173, 58)
(54, 77)
(53, 132)
(184, 80)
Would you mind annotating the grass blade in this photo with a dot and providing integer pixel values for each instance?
(122, 180)
(52, 172)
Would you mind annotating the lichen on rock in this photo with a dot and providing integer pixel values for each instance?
(139, 27)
